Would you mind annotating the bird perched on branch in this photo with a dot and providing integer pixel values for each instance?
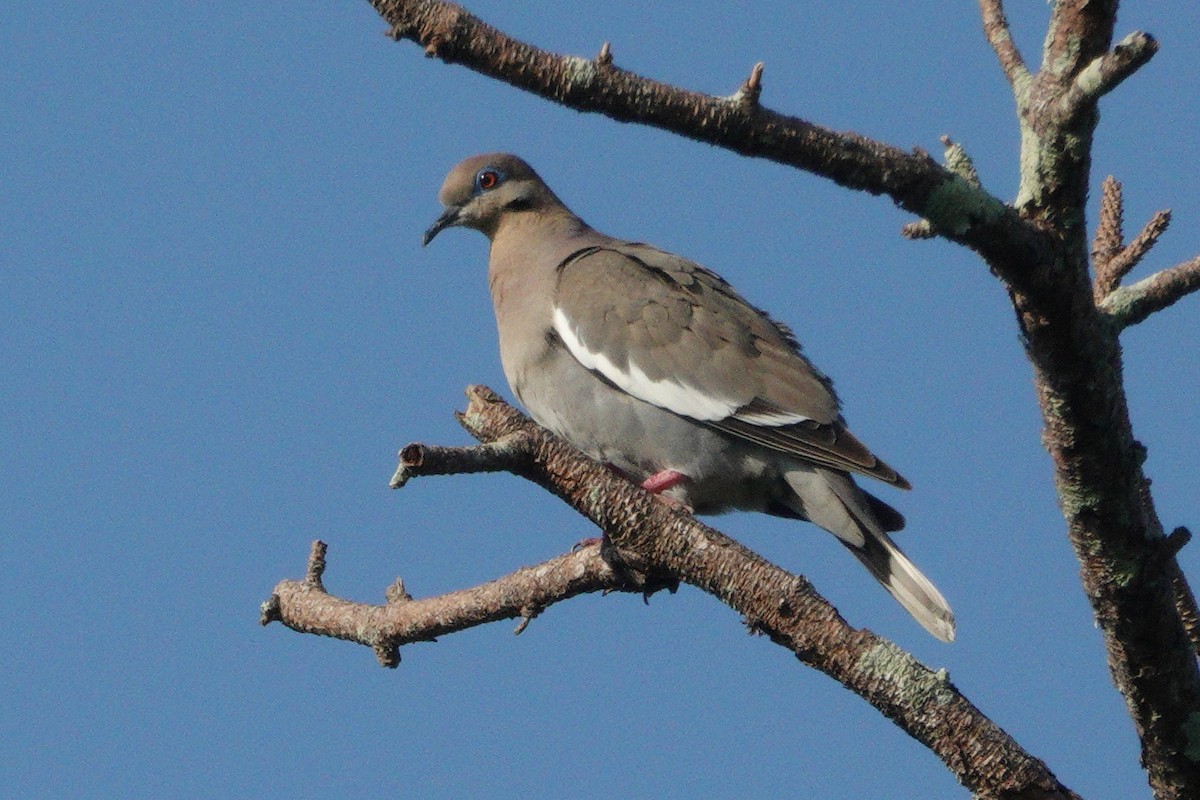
(658, 367)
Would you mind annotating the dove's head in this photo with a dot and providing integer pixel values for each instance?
(480, 191)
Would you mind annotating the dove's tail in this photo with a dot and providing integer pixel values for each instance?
(832, 500)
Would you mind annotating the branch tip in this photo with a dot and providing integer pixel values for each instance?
(999, 36)
(958, 162)
(1110, 234)
(396, 593)
(1106, 72)
(1129, 305)
(1177, 540)
(388, 654)
(412, 455)
(528, 615)
(604, 58)
(316, 564)
(269, 611)
(920, 229)
(750, 90)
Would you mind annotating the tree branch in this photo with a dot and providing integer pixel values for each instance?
(1109, 239)
(960, 211)
(650, 537)
(1112, 259)
(1106, 72)
(999, 36)
(1079, 31)
(1129, 305)
(306, 607)
(504, 455)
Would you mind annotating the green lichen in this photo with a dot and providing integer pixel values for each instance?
(579, 72)
(917, 685)
(956, 206)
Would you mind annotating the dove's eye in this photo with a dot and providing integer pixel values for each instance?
(487, 179)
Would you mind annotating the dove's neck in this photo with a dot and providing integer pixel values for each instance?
(522, 273)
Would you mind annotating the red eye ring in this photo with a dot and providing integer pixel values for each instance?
(488, 179)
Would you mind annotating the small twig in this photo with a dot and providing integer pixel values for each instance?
(306, 607)
(1175, 541)
(751, 89)
(958, 162)
(396, 593)
(1109, 239)
(605, 57)
(316, 565)
(1112, 259)
(1129, 305)
(1131, 255)
(502, 455)
(999, 36)
(528, 614)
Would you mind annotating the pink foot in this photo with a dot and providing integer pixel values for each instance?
(661, 481)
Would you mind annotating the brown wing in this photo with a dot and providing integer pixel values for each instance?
(676, 335)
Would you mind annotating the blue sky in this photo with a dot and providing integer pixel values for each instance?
(220, 327)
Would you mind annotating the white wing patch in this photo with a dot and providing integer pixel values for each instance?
(685, 400)
(770, 419)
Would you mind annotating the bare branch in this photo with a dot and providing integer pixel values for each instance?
(914, 181)
(1109, 238)
(1129, 305)
(648, 535)
(1079, 31)
(306, 607)
(1105, 73)
(506, 455)
(316, 565)
(1131, 255)
(999, 36)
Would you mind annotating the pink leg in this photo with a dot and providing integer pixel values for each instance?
(661, 481)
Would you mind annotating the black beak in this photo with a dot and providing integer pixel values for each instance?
(449, 217)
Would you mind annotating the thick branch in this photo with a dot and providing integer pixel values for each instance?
(1079, 31)
(1135, 591)
(649, 536)
(958, 210)
(1129, 305)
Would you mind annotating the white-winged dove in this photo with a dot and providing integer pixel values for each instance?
(656, 366)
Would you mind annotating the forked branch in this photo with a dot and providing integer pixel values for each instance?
(1113, 259)
(649, 538)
